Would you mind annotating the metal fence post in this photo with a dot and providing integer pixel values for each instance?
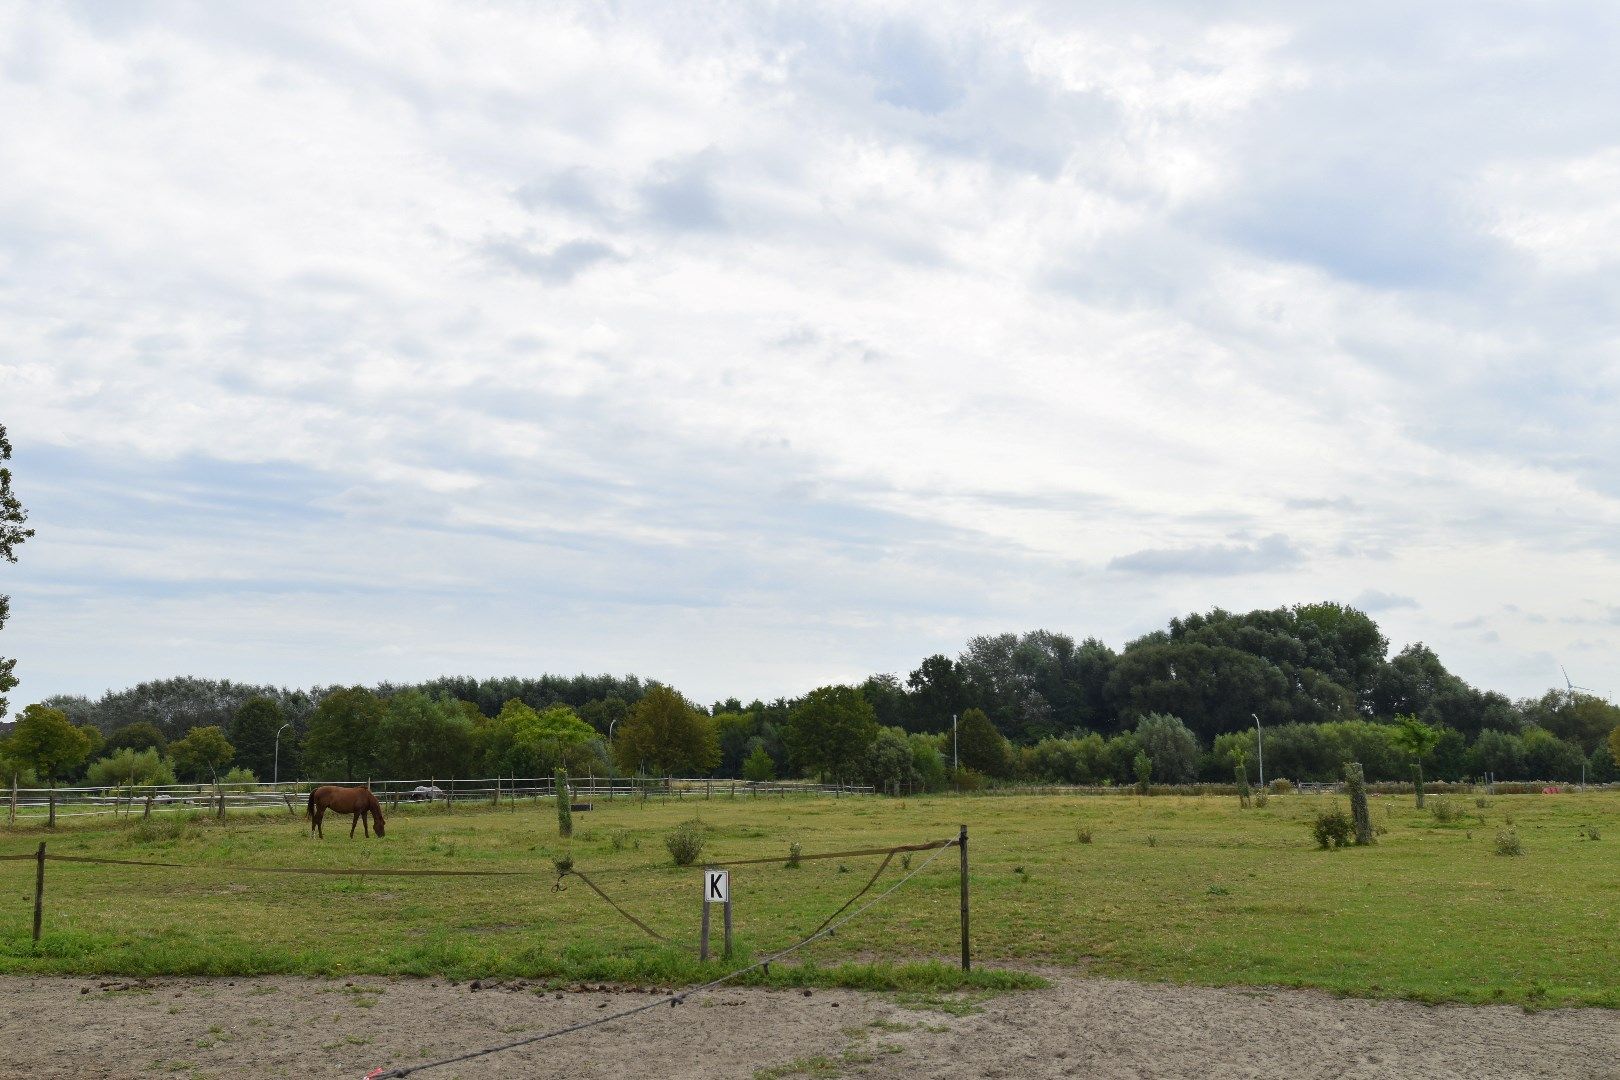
(961, 843)
(703, 935)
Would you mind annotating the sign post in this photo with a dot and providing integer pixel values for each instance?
(716, 890)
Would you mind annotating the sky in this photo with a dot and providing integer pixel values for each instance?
(756, 347)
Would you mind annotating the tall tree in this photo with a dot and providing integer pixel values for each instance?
(12, 533)
(830, 731)
(665, 734)
(980, 746)
(253, 733)
(938, 692)
(345, 732)
(203, 752)
(44, 741)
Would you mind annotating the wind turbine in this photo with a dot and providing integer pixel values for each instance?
(1571, 687)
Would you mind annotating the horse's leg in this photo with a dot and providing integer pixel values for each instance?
(355, 821)
(320, 812)
(365, 821)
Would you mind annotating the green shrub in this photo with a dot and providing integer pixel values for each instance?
(1333, 828)
(1508, 842)
(1260, 799)
(1591, 833)
(1083, 835)
(1445, 811)
(685, 844)
(622, 840)
(794, 851)
(565, 816)
(1281, 787)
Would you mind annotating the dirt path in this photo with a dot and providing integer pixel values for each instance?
(285, 1027)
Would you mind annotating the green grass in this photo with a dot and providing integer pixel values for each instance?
(1220, 896)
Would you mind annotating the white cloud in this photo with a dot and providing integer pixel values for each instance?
(839, 332)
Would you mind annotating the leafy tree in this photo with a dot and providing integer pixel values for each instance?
(423, 737)
(44, 741)
(137, 736)
(1171, 746)
(928, 762)
(830, 731)
(665, 734)
(1547, 757)
(1143, 767)
(1584, 719)
(534, 743)
(253, 733)
(203, 750)
(345, 732)
(1499, 753)
(1415, 737)
(979, 746)
(938, 691)
(889, 700)
(12, 533)
(889, 766)
(127, 767)
(1614, 743)
(758, 766)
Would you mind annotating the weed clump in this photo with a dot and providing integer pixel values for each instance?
(1281, 786)
(1508, 842)
(1333, 828)
(622, 840)
(1590, 832)
(1083, 835)
(1260, 799)
(685, 843)
(1444, 811)
(794, 851)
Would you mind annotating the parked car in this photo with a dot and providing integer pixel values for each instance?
(426, 793)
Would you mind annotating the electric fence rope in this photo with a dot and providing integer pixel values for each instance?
(680, 997)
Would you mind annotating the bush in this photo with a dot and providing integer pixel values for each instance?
(1332, 828)
(794, 851)
(1083, 835)
(1508, 842)
(1281, 787)
(685, 844)
(1445, 811)
(1260, 798)
(621, 839)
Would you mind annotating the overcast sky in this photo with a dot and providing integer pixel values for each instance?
(751, 348)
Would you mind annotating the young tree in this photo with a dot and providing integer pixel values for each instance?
(758, 766)
(979, 745)
(422, 737)
(44, 741)
(665, 734)
(204, 750)
(345, 732)
(831, 730)
(12, 533)
(889, 767)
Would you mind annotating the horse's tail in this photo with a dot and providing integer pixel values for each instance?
(309, 810)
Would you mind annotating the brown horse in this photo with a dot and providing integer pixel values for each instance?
(344, 800)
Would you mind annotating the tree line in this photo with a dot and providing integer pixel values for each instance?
(1177, 705)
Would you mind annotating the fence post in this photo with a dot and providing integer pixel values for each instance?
(708, 789)
(219, 793)
(39, 890)
(450, 796)
(961, 843)
(50, 823)
(702, 935)
(148, 811)
(11, 818)
(728, 922)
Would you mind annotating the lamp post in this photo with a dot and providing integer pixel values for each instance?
(275, 776)
(956, 763)
(1260, 737)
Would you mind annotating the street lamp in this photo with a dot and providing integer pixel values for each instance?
(1260, 735)
(275, 776)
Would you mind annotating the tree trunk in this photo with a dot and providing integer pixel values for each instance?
(1417, 783)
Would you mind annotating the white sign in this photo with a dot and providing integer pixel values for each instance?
(717, 886)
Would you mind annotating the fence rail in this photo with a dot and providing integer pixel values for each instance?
(51, 804)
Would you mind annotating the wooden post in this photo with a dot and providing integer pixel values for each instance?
(734, 789)
(51, 821)
(11, 819)
(728, 923)
(1417, 783)
(702, 935)
(708, 789)
(450, 796)
(961, 843)
(39, 890)
(220, 792)
(148, 811)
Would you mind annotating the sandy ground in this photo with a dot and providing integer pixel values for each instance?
(286, 1027)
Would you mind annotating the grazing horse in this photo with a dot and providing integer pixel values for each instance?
(344, 800)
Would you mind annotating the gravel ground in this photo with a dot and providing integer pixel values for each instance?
(288, 1027)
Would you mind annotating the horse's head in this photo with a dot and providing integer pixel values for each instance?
(376, 814)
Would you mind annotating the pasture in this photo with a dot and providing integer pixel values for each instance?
(1176, 889)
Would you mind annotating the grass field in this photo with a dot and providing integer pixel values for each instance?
(1178, 889)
